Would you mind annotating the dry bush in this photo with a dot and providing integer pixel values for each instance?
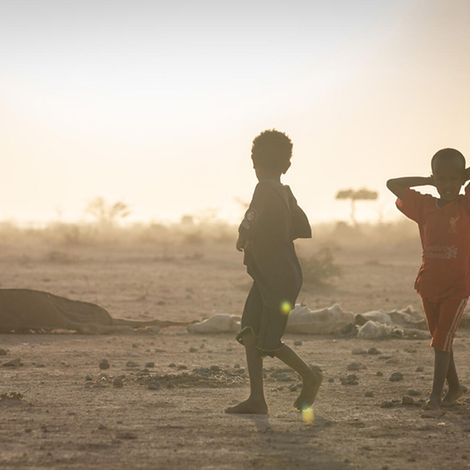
(320, 269)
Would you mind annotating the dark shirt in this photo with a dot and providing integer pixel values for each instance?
(271, 223)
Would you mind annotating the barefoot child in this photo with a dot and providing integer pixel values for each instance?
(444, 277)
(266, 236)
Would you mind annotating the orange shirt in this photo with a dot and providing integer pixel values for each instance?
(445, 238)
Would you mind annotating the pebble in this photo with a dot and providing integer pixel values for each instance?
(294, 387)
(413, 393)
(390, 404)
(407, 401)
(192, 349)
(172, 365)
(236, 366)
(181, 367)
(359, 351)
(104, 364)
(374, 351)
(369, 394)
(396, 377)
(13, 363)
(132, 364)
(150, 365)
(88, 378)
(3, 352)
(355, 366)
(118, 382)
(379, 373)
(350, 379)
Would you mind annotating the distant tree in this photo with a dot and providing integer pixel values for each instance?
(356, 195)
(107, 214)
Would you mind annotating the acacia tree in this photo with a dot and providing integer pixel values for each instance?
(354, 195)
(107, 214)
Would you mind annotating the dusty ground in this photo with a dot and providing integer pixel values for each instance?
(170, 415)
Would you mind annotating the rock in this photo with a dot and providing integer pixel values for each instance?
(396, 377)
(375, 330)
(3, 352)
(294, 387)
(88, 378)
(215, 369)
(359, 351)
(192, 350)
(355, 366)
(132, 365)
(369, 394)
(379, 373)
(331, 320)
(220, 323)
(407, 401)
(150, 365)
(172, 365)
(181, 367)
(154, 385)
(413, 393)
(390, 404)
(350, 379)
(331, 380)
(374, 351)
(104, 364)
(236, 366)
(13, 363)
(118, 382)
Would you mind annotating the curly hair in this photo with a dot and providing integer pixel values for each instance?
(448, 154)
(272, 149)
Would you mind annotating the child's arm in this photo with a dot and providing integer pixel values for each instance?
(398, 185)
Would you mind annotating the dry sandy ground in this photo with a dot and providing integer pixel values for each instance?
(170, 414)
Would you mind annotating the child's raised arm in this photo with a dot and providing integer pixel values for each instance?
(398, 185)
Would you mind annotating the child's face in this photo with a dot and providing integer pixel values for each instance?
(448, 178)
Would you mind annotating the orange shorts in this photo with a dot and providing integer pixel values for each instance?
(443, 319)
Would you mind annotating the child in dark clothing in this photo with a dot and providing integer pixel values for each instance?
(266, 236)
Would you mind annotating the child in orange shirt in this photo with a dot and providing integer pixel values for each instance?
(443, 280)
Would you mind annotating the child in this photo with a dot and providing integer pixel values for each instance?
(266, 236)
(444, 277)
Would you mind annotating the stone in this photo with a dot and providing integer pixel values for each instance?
(374, 351)
(413, 393)
(118, 382)
(396, 377)
(369, 394)
(407, 401)
(350, 379)
(132, 364)
(104, 364)
(13, 363)
(150, 365)
(3, 352)
(355, 366)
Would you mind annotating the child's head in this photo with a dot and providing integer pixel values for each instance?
(271, 153)
(448, 170)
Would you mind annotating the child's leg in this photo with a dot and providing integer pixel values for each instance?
(256, 403)
(450, 314)
(311, 377)
(455, 389)
(441, 368)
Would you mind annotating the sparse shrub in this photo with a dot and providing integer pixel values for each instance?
(320, 268)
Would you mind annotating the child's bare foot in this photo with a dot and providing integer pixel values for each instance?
(310, 389)
(250, 407)
(452, 396)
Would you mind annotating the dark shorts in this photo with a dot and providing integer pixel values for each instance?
(265, 315)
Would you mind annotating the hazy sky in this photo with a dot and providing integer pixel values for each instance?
(156, 103)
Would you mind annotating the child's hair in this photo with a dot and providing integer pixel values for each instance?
(272, 149)
(448, 154)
